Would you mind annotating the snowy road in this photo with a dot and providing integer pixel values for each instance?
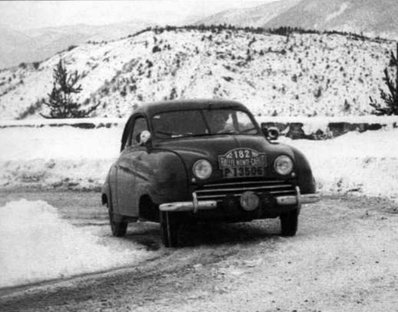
(344, 258)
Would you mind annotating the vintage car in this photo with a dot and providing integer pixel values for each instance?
(204, 160)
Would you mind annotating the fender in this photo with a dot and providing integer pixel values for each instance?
(306, 181)
(106, 190)
(169, 178)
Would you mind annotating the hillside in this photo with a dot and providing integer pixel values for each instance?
(257, 16)
(295, 75)
(38, 44)
(372, 18)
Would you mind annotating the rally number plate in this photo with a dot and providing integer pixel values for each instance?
(242, 162)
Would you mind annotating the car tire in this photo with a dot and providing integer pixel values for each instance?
(169, 228)
(118, 228)
(289, 223)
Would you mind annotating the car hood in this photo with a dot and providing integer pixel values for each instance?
(213, 147)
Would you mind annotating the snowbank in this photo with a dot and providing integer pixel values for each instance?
(365, 163)
(57, 156)
(321, 128)
(87, 123)
(47, 247)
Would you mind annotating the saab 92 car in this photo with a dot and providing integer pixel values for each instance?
(204, 160)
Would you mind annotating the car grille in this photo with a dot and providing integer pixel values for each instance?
(218, 191)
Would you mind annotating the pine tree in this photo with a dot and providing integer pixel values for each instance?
(60, 99)
(390, 98)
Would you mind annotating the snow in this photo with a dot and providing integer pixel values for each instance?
(37, 244)
(57, 156)
(343, 7)
(59, 143)
(364, 163)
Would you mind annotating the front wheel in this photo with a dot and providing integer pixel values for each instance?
(118, 227)
(289, 223)
(169, 228)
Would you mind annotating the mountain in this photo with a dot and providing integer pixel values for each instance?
(39, 44)
(358, 16)
(373, 18)
(14, 42)
(257, 16)
(295, 75)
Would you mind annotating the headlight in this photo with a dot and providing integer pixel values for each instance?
(283, 165)
(202, 169)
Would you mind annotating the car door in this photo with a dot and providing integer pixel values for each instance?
(127, 170)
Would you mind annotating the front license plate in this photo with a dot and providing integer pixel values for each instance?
(242, 162)
(236, 172)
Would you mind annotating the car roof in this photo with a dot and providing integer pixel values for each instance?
(164, 106)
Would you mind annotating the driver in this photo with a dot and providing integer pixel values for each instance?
(218, 122)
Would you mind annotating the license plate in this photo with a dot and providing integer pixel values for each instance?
(235, 172)
(242, 162)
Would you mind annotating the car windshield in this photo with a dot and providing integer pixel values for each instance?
(183, 123)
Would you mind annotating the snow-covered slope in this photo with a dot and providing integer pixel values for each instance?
(257, 16)
(374, 18)
(303, 74)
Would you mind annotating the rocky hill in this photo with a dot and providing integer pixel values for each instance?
(281, 75)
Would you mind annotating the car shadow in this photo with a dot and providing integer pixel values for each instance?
(212, 234)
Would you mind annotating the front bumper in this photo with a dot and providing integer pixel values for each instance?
(195, 205)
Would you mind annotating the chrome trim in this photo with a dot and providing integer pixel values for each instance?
(298, 200)
(220, 196)
(261, 182)
(298, 194)
(218, 191)
(188, 206)
(195, 202)
(243, 189)
(195, 205)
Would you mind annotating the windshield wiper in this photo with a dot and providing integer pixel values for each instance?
(194, 135)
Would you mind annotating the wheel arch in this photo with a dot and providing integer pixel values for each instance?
(104, 199)
(106, 192)
(147, 209)
(305, 177)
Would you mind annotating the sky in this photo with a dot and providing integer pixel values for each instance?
(21, 15)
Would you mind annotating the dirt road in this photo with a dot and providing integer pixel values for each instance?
(344, 258)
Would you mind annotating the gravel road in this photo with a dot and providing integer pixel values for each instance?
(344, 258)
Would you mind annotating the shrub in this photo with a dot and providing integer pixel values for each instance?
(71, 47)
(33, 108)
(60, 99)
(390, 97)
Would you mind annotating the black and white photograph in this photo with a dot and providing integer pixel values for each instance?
(196, 156)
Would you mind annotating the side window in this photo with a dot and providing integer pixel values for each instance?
(245, 124)
(140, 125)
